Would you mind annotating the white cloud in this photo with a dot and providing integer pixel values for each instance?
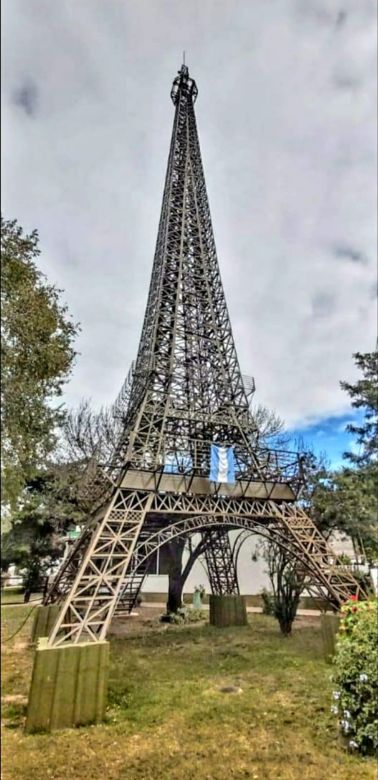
(286, 115)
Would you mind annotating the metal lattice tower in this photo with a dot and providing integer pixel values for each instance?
(184, 393)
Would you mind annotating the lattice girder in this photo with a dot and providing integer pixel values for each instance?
(220, 562)
(115, 555)
(88, 609)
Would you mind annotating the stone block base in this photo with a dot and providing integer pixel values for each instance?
(44, 620)
(69, 686)
(228, 611)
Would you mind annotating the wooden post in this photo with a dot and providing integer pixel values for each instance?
(329, 625)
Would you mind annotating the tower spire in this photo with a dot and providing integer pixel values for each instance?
(184, 83)
(188, 389)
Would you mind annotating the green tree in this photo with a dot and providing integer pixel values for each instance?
(287, 581)
(364, 395)
(37, 355)
(356, 485)
(346, 500)
(48, 509)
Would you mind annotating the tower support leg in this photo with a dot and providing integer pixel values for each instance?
(219, 562)
(227, 606)
(69, 686)
(69, 681)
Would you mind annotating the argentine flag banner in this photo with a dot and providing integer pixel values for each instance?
(222, 464)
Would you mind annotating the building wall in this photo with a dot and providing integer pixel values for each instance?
(251, 574)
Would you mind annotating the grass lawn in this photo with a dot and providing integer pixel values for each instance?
(169, 720)
(16, 595)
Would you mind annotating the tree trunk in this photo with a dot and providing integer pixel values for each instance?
(287, 602)
(177, 574)
(176, 582)
(27, 594)
(175, 588)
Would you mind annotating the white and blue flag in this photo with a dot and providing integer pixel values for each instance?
(222, 464)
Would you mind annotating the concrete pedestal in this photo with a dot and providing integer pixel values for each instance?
(228, 611)
(44, 620)
(69, 686)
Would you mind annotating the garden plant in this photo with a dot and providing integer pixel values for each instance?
(356, 676)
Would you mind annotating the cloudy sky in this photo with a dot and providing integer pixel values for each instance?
(286, 117)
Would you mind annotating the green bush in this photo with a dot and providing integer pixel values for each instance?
(183, 615)
(267, 599)
(356, 676)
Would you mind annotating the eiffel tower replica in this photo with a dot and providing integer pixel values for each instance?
(185, 396)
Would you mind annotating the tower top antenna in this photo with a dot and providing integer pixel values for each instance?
(183, 84)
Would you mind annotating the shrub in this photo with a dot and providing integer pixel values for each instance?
(356, 676)
(287, 581)
(267, 599)
(183, 615)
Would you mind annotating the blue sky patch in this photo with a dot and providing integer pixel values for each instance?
(328, 436)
